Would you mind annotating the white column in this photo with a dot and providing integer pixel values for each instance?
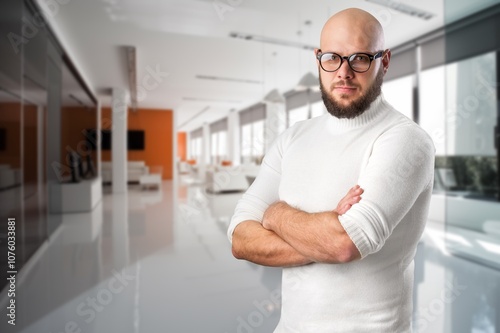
(119, 140)
(275, 122)
(205, 152)
(233, 137)
(207, 148)
(98, 139)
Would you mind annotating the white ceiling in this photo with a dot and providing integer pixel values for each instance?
(185, 38)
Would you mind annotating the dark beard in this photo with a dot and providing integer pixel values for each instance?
(358, 106)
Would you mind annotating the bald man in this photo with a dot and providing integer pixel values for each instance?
(347, 267)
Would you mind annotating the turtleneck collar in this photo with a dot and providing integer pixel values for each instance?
(340, 125)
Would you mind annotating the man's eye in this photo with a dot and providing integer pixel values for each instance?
(360, 58)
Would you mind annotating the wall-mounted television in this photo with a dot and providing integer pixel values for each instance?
(3, 139)
(135, 139)
(106, 139)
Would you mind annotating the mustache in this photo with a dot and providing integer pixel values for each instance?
(343, 84)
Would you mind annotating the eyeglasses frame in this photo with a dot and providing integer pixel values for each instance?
(372, 57)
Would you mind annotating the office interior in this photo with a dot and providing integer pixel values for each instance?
(130, 129)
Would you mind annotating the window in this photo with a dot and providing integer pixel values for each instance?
(432, 106)
(399, 93)
(253, 139)
(195, 144)
(218, 147)
(297, 114)
(258, 144)
(302, 112)
(218, 141)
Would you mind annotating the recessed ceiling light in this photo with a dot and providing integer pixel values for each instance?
(270, 40)
(405, 9)
(219, 78)
(198, 99)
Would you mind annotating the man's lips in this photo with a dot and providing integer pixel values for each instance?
(345, 89)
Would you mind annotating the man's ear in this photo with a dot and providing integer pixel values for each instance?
(386, 59)
(316, 51)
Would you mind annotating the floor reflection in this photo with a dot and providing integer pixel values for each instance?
(453, 294)
(149, 262)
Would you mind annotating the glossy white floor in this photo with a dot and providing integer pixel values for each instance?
(159, 261)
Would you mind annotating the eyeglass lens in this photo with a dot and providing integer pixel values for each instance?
(358, 62)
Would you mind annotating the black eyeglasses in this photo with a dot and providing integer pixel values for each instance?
(359, 62)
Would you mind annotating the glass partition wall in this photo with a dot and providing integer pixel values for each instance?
(44, 111)
(468, 172)
(448, 81)
(467, 169)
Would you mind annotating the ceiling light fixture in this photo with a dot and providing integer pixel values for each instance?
(132, 76)
(270, 40)
(405, 9)
(205, 109)
(219, 78)
(197, 99)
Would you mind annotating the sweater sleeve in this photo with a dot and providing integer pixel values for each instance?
(263, 191)
(399, 169)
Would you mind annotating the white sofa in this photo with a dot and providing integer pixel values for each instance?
(135, 169)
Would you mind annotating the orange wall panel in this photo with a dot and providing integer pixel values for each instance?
(182, 145)
(158, 138)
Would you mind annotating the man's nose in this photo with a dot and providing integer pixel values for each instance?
(345, 71)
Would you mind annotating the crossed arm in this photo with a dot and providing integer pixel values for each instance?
(290, 237)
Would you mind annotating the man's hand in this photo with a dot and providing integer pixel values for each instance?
(352, 197)
(277, 212)
(274, 213)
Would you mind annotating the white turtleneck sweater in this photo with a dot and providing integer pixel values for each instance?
(311, 166)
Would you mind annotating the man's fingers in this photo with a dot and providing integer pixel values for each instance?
(356, 190)
(344, 209)
(354, 199)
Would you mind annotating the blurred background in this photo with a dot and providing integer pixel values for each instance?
(130, 129)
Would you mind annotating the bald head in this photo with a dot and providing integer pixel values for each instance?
(354, 29)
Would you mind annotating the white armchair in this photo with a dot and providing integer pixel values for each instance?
(226, 179)
(9, 177)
